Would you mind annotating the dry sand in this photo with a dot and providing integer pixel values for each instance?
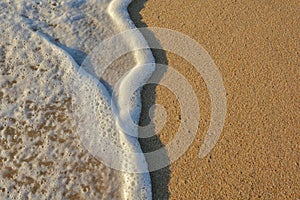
(255, 44)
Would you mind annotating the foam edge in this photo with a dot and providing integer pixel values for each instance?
(118, 10)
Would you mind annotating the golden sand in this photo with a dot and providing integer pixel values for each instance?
(255, 45)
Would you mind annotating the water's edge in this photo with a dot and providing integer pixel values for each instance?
(118, 11)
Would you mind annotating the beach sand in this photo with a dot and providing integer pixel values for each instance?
(255, 45)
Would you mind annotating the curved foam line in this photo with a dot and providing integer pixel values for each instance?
(117, 9)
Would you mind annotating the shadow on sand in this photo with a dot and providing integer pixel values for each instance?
(160, 178)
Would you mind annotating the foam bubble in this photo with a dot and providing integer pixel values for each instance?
(41, 155)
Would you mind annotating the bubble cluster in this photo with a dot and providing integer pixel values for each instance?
(41, 156)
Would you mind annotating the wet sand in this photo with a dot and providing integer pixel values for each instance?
(256, 48)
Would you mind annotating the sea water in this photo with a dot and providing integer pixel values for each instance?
(51, 99)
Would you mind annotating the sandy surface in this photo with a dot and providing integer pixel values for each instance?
(256, 47)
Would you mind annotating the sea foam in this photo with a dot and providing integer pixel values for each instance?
(52, 109)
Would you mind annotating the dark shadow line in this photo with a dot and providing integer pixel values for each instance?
(159, 179)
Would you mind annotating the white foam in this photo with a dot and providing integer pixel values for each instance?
(38, 75)
(134, 79)
(41, 156)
